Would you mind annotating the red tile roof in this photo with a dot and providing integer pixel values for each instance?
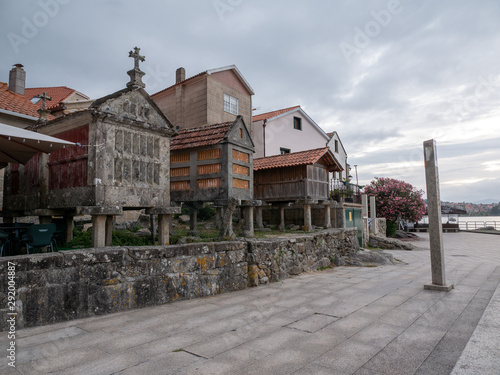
(58, 94)
(268, 115)
(202, 136)
(14, 102)
(295, 158)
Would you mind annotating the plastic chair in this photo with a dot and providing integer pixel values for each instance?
(38, 236)
(4, 238)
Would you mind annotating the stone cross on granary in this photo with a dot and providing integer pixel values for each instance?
(44, 112)
(136, 74)
(137, 57)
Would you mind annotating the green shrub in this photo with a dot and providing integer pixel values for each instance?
(80, 239)
(83, 240)
(128, 239)
(207, 212)
(391, 229)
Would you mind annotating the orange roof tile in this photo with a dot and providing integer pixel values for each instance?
(295, 158)
(268, 115)
(58, 94)
(202, 136)
(14, 102)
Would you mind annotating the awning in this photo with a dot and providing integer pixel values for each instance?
(19, 145)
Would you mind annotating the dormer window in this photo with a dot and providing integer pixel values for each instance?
(297, 123)
(230, 104)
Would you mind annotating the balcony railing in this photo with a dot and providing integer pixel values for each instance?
(343, 191)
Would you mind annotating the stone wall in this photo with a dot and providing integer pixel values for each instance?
(67, 285)
(277, 259)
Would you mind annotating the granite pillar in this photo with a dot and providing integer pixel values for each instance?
(258, 217)
(70, 224)
(193, 222)
(373, 215)
(163, 229)
(307, 218)
(435, 224)
(281, 226)
(364, 203)
(248, 216)
(109, 230)
(98, 230)
(328, 219)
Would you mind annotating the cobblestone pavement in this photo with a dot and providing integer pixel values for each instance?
(346, 320)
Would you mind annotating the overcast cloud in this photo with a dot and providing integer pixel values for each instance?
(386, 75)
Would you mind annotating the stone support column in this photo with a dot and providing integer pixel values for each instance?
(164, 229)
(307, 218)
(226, 227)
(70, 225)
(248, 215)
(109, 230)
(219, 213)
(435, 224)
(373, 215)
(258, 217)
(281, 226)
(328, 218)
(364, 203)
(153, 228)
(193, 222)
(98, 230)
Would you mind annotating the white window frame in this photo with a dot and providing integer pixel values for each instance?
(231, 104)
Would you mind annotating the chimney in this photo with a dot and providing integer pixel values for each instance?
(180, 75)
(17, 79)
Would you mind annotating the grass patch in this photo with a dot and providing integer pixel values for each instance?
(83, 240)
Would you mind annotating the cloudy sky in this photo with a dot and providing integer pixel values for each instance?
(386, 75)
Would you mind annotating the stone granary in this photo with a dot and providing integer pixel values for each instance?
(213, 163)
(300, 178)
(122, 163)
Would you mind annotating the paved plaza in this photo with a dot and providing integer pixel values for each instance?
(346, 320)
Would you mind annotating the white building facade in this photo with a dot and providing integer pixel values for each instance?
(292, 130)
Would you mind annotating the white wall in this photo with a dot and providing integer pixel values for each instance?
(341, 155)
(280, 133)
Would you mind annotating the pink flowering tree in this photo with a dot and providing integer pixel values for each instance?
(396, 199)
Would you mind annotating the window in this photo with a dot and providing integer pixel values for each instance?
(336, 146)
(284, 150)
(230, 104)
(297, 123)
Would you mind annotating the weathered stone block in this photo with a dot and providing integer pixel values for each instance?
(253, 275)
(145, 253)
